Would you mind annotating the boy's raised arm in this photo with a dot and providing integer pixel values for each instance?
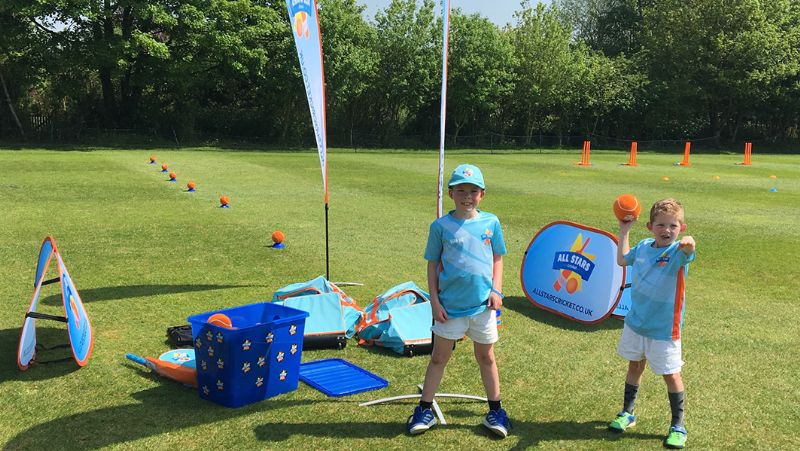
(624, 245)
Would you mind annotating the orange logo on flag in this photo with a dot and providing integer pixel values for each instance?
(301, 24)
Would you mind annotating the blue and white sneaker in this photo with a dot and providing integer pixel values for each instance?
(420, 421)
(497, 422)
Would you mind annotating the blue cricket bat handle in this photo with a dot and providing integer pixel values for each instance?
(139, 360)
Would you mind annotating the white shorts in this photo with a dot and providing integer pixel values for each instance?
(481, 328)
(664, 355)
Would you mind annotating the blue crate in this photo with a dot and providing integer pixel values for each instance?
(257, 359)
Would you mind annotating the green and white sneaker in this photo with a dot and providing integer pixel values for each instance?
(676, 439)
(623, 421)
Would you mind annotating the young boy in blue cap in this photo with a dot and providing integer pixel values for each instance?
(652, 330)
(465, 279)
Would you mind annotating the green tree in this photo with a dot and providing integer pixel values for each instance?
(480, 73)
(134, 47)
(608, 90)
(546, 70)
(408, 70)
(711, 61)
(16, 52)
(351, 63)
(609, 26)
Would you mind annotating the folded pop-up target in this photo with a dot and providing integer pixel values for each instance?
(625, 299)
(571, 270)
(79, 329)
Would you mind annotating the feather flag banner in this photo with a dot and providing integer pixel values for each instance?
(307, 38)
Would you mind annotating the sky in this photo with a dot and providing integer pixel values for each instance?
(500, 12)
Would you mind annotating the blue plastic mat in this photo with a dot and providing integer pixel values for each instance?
(337, 377)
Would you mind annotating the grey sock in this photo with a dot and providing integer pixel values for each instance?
(630, 397)
(676, 405)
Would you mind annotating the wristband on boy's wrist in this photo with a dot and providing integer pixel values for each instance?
(498, 292)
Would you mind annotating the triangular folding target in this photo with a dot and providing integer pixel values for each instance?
(79, 328)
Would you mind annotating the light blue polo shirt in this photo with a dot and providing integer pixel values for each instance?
(466, 250)
(657, 289)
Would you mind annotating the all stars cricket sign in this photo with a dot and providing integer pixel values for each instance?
(571, 270)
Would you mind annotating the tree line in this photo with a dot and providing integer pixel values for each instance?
(719, 72)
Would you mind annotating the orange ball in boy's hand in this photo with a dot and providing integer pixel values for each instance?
(277, 237)
(221, 320)
(627, 207)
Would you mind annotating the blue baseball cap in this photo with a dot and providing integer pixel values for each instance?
(466, 173)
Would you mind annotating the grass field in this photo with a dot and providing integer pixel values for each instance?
(145, 254)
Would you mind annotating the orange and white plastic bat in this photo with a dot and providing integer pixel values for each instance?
(183, 374)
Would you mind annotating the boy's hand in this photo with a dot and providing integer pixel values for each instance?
(687, 244)
(625, 226)
(495, 301)
(439, 314)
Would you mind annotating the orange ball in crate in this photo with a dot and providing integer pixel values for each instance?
(221, 320)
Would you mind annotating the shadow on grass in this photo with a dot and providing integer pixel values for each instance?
(532, 433)
(525, 307)
(50, 363)
(166, 408)
(136, 291)
(526, 433)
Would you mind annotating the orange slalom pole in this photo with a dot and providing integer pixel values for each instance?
(585, 155)
(632, 157)
(748, 152)
(588, 152)
(686, 149)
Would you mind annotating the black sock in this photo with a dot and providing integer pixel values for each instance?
(494, 405)
(425, 404)
(630, 397)
(676, 405)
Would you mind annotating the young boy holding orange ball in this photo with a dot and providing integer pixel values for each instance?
(653, 324)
